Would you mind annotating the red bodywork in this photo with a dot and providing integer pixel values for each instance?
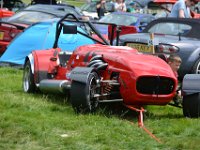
(5, 13)
(5, 37)
(126, 61)
(7, 33)
(112, 31)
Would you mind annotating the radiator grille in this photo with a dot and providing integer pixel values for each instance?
(155, 85)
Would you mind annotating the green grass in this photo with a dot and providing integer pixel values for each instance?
(38, 121)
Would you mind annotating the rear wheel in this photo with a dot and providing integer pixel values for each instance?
(191, 105)
(28, 78)
(83, 97)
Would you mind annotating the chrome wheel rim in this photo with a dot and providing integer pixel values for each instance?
(198, 68)
(93, 88)
(26, 78)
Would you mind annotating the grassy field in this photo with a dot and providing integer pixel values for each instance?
(38, 121)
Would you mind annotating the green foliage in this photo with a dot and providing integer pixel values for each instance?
(39, 121)
(77, 3)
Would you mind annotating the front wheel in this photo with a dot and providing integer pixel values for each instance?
(191, 105)
(28, 79)
(83, 95)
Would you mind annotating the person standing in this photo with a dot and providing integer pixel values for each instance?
(132, 8)
(181, 8)
(101, 8)
(120, 5)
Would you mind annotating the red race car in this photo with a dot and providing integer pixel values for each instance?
(99, 72)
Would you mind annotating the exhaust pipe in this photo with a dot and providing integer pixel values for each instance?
(54, 86)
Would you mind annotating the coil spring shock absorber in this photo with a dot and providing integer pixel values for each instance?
(99, 64)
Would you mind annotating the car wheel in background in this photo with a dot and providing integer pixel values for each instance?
(191, 105)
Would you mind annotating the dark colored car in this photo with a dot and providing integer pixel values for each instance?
(40, 12)
(171, 35)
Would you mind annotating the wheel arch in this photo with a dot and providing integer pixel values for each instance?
(190, 61)
(31, 59)
(195, 55)
(190, 84)
(81, 74)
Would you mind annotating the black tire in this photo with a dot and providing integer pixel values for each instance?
(28, 79)
(82, 95)
(196, 67)
(191, 105)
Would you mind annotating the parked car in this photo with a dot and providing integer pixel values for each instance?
(40, 12)
(171, 35)
(125, 19)
(99, 72)
(11, 26)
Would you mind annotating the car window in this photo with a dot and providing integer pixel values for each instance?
(59, 10)
(146, 20)
(91, 7)
(29, 17)
(119, 19)
(170, 28)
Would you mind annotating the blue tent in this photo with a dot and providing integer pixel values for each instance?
(38, 37)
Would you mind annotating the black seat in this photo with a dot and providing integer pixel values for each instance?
(64, 57)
